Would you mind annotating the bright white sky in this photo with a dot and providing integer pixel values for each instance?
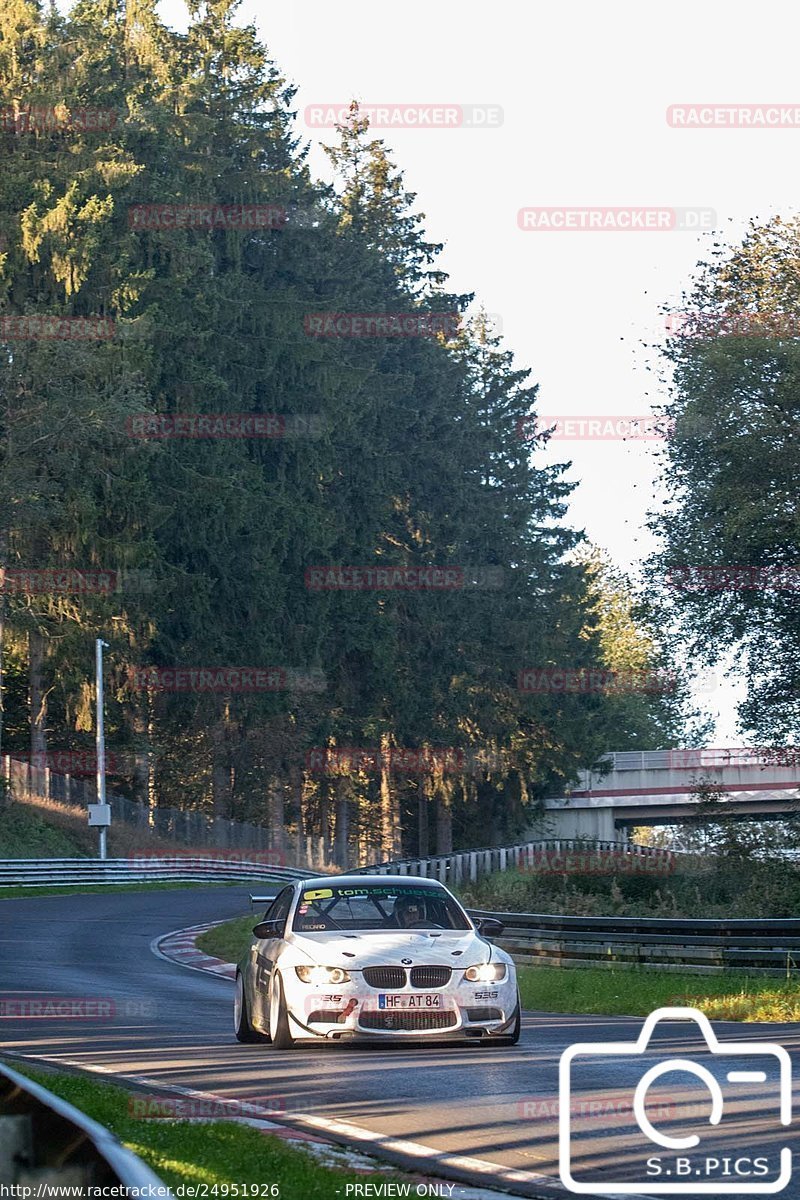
(584, 90)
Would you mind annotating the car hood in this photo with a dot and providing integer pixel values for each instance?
(455, 948)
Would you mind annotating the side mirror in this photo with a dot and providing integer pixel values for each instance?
(490, 926)
(267, 929)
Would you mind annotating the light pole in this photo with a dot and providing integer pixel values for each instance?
(101, 740)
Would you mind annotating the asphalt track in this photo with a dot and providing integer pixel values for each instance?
(172, 1025)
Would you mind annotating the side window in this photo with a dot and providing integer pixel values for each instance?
(279, 909)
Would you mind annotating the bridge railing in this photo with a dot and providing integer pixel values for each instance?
(702, 757)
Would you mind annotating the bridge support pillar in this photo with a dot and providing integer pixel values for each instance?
(597, 824)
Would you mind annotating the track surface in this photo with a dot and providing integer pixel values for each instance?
(174, 1025)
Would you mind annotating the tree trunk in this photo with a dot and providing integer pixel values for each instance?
(342, 832)
(324, 824)
(277, 816)
(3, 556)
(140, 727)
(296, 812)
(423, 819)
(37, 695)
(2, 630)
(444, 820)
(220, 762)
(390, 833)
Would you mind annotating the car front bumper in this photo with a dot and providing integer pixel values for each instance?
(352, 1011)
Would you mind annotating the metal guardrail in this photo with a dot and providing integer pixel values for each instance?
(467, 865)
(464, 866)
(47, 1144)
(764, 947)
(29, 872)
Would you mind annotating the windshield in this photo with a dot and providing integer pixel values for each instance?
(378, 908)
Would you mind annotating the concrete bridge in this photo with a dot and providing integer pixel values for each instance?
(657, 787)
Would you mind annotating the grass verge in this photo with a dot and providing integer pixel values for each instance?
(217, 1153)
(728, 996)
(230, 940)
(26, 832)
(39, 827)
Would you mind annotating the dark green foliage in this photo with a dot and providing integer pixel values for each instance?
(732, 470)
(417, 459)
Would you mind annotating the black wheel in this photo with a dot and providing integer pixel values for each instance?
(241, 1018)
(280, 1036)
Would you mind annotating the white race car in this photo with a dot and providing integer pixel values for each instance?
(374, 956)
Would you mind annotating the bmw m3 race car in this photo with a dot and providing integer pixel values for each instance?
(374, 956)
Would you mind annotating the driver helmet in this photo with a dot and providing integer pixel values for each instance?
(409, 909)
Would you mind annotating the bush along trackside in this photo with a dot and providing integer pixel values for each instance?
(713, 886)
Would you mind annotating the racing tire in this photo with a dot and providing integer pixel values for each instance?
(280, 1035)
(241, 1018)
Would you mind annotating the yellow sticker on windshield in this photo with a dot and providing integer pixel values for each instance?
(319, 894)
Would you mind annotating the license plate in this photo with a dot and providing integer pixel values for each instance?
(426, 1000)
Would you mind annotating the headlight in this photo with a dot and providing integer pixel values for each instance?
(486, 973)
(322, 975)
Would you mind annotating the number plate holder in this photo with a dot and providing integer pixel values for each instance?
(419, 1002)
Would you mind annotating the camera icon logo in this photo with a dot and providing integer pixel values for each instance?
(679, 1171)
